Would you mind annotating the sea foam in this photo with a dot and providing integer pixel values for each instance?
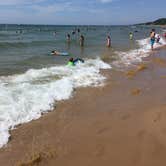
(136, 55)
(25, 97)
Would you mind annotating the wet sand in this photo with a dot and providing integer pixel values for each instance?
(121, 123)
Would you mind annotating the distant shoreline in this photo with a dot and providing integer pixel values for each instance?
(159, 22)
(58, 25)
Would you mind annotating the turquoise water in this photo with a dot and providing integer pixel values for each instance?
(23, 47)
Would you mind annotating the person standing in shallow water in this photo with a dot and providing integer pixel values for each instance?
(131, 36)
(68, 38)
(152, 38)
(108, 44)
(82, 40)
(165, 35)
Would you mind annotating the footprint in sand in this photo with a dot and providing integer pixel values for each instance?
(125, 117)
(158, 117)
(102, 130)
(141, 134)
(99, 151)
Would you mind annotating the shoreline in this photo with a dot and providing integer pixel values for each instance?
(80, 128)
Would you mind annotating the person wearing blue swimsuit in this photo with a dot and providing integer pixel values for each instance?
(152, 38)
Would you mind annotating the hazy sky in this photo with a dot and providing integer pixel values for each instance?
(81, 11)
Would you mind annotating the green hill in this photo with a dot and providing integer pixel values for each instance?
(161, 21)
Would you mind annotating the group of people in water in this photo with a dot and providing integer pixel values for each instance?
(108, 41)
(73, 62)
(81, 39)
(154, 38)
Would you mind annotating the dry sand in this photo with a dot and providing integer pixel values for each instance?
(120, 124)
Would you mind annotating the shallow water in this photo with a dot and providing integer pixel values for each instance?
(23, 47)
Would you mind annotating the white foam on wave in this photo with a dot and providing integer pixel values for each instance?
(25, 97)
(135, 56)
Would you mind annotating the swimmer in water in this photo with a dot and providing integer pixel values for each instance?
(54, 52)
(73, 62)
(70, 62)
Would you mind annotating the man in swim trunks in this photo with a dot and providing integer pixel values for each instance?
(152, 38)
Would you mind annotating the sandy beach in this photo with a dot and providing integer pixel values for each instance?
(121, 123)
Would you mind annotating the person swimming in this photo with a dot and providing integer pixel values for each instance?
(54, 52)
(73, 62)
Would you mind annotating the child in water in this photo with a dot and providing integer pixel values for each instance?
(158, 39)
(131, 36)
(73, 62)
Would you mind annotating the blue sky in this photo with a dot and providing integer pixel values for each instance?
(96, 12)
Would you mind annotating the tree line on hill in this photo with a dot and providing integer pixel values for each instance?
(161, 21)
